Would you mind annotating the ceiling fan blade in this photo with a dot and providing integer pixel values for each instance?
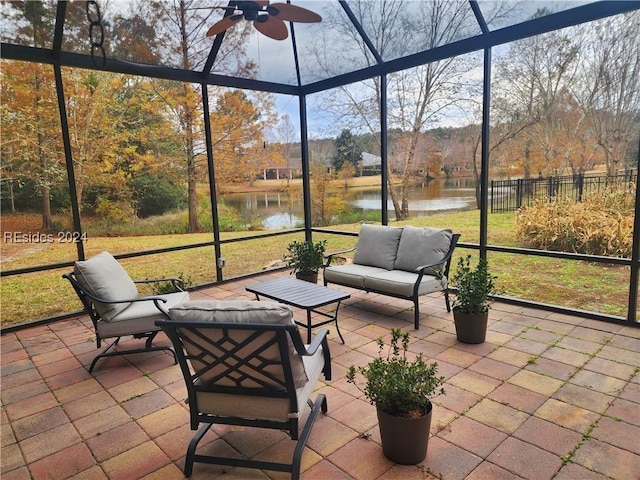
(272, 28)
(292, 13)
(223, 24)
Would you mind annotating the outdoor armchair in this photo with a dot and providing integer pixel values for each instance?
(244, 363)
(112, 301)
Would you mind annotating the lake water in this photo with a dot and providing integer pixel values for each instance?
(276, 210)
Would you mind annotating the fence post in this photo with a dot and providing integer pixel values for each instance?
(518, 193)
(492, 195)
(580, 186)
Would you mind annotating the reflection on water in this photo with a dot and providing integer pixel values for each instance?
(277, 210)
(281, 220)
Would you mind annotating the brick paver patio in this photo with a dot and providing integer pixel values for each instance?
(547, 396)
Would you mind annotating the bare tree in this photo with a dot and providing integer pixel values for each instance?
(417, 98)
(609, 90)
(533, 78)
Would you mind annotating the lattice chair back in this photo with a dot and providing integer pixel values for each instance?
(244, 363)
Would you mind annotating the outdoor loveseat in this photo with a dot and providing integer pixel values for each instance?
(401, 262)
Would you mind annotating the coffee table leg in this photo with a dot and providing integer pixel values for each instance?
(308, 325)
(335, 317)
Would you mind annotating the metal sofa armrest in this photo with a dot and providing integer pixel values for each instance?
(446, 261)
(329, 256)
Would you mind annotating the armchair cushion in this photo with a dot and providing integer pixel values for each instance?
(243, 311)
(421, 246)
(105, 278)
(377, 246)
(140, 317)
(278, 409)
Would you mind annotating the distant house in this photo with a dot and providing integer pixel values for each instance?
(371, 164)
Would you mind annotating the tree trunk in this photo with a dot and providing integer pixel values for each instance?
(188, 112)
(44, 174)
(393, 194)
(194, 226)
(46, 208)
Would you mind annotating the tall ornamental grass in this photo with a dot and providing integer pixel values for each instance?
(601, 224)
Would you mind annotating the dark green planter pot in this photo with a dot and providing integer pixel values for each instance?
(471, 327)
(307, 276)
(405, 440)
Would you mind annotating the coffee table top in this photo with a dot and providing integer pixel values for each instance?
(297, 293)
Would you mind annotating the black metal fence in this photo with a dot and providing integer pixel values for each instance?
(510, 195)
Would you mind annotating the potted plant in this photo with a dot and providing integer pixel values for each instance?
(305, 259)
(473, 289)
(401, 390)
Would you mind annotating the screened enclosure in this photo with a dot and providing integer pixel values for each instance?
(127, 128)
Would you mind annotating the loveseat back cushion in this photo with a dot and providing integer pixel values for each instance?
(377, 246)
(103, 277)
(421, 246)
(243, 311)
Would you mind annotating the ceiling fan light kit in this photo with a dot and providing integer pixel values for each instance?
(267, 18)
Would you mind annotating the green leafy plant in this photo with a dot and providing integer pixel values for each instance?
(396, 385)
(169, 286)
(305, 257)
(473, 286)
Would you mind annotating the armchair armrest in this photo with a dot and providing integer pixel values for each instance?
(329, 256)
(83, 292)
(126, 300)
(177, 283)
(320, 339)
(157, 300)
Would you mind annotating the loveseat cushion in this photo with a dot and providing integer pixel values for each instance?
(377, 246)
(351, 274)
(243, 311)
(421, 246)
(399, 282)
(103, 277)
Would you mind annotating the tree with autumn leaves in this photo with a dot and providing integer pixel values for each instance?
(124, 128)
(239, 149)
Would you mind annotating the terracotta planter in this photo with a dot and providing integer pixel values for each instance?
(405, 440)
(471, 327)
(307, 276)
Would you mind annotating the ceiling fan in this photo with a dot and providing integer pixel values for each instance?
(267, 18)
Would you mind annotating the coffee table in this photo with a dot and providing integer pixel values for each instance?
(306, 295)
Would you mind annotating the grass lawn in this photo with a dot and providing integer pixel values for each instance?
(29, 297)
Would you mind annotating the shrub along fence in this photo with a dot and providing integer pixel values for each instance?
(510, 195)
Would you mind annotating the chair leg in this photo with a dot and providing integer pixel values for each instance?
(149, 347)
(150, 336)
(103, 354)
(446, 300)
(320, 404)
(188, 461)
(416, 313)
